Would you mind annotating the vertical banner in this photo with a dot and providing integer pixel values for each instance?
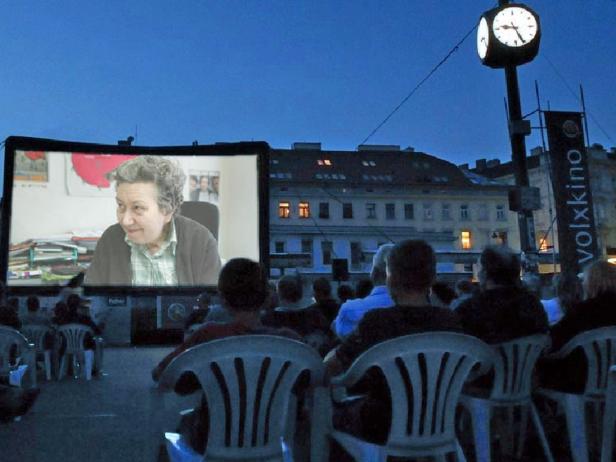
(577, 237)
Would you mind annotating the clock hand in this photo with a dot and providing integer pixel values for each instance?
(517, 32)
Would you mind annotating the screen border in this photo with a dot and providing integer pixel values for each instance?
(15, 143)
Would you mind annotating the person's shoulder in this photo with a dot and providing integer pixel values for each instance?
(381, 316)
(112, 232)
(185, 225)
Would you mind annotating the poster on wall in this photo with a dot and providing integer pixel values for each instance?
(86, 174)
(31, 166)
(203, 186)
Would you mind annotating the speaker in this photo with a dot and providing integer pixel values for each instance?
(340, 269)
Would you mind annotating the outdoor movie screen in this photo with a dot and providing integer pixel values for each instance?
(130, 217)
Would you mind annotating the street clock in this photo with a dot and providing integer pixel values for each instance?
(508, 35)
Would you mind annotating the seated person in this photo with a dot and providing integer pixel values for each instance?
(308, 322)
(464, 290)
(151, 244)
(9, 316)
(345, 292)
(442, 295)
(198, 315)
(33, 317)
(502, 310)
(598, 309)
(243, 289)
(568, 292)
(351, 312)
(363, 287)
(411, 269)
(323, 299)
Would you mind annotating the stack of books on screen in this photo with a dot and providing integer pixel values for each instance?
(51, 258)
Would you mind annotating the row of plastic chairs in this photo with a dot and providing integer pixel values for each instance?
(247, 381)
(31, 341)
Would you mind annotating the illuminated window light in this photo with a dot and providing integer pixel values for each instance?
(304, 210)
(284, 209)
(465, 240)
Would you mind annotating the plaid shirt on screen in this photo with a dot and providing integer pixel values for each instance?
(154, 269)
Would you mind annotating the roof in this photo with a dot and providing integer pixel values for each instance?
(364, 167)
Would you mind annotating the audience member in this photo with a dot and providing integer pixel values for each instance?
(363, 288)
(73, 286)
(411, 269)
(324, 301)
(308, 322)
(598, 309)
(33, 317)
(9, 314)
(568, 292)
(503, 309)
(464, 290)
(243, 289)
(442, 295)
(351, 312)
(60, 314)
(345, 292)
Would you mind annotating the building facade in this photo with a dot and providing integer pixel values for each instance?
(327, 205)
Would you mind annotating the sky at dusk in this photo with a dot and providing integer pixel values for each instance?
(169, 73)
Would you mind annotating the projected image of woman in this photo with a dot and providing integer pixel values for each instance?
(151, 245)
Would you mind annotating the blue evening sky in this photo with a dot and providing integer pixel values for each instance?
(284, 71)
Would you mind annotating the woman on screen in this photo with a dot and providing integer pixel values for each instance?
(151, 245)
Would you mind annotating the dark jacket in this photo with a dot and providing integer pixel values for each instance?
(503, 314)
(196, 256)
(569, 374)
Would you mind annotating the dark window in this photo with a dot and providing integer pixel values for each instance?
(279, 246)
(390, 211)
(370, 210)
(347, 210)
(326, 250)
(409, 212)
(323, 209)
(307, 248)
(355, 255)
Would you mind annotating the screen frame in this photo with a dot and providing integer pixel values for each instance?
(20, 143)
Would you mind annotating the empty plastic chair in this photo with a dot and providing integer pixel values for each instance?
(425, 374)
(609, 417)
(36, 334)
(513, 371)
(74, 336)
(248, 383)
(599, 347)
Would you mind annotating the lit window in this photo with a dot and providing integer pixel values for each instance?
(327, 162)
(304, 210)
(324, 162)
(284, 209)
(465, 240)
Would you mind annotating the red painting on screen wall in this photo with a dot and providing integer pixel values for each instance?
(93, 168)
(35, 155)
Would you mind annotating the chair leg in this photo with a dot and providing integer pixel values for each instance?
(47, 356)
(459, 453)
(63, 366)
(88, 363)
(542, 438)
(480, 422)
(575, 414)
(607, 440)
(523, 430)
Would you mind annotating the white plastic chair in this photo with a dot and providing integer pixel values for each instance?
(425, 374)
(247, 381)
(36, 334)
(12, 340)
(599, 347)
(74, 335)
(609, 417)
(513, 370)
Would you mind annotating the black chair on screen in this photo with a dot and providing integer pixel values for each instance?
(204, 213)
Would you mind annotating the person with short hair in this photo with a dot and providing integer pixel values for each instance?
(503, 309)
(152, 245)
(410, 270)
(9, 314)
(363, 287)
(351, 312)
(323, 299)
(464, 290)
(243, 288)
(33, 316)
(568, 292)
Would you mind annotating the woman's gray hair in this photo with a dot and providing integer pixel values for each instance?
(168, 177)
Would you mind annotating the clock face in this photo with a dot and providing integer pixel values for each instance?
(483, 35)
(515, 26)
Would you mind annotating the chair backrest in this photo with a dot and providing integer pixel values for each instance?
(247, 381)
(599, 347)
(425, 374)
(35, 333)
(12, 343)
(74, 335)
(513, 367)
(204, 213)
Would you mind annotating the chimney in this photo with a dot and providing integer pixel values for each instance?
(480, 165)
(303, 146)
(409, 149)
